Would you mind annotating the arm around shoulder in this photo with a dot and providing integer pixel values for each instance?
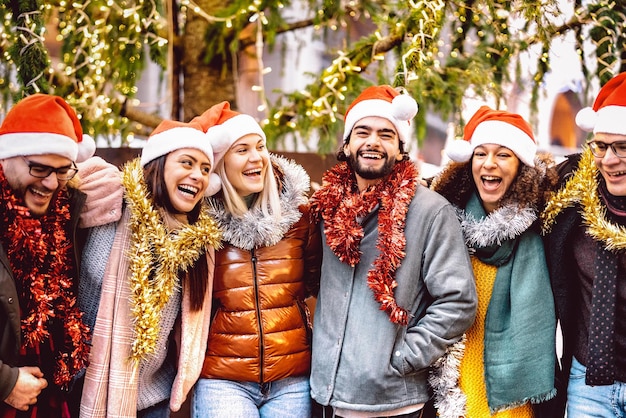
(102, 183)
(447, 307)
(449, 277)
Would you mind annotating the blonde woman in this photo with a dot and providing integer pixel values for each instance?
(259, 349)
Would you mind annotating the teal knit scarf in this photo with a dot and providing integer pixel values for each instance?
(520, 322)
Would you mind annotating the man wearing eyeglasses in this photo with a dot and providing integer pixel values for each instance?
(586, 244)
(43, 340)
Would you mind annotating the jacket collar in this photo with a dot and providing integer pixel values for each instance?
(255, 230)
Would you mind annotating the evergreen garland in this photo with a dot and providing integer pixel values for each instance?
(441, 51)
(28, 50)
(607, 34)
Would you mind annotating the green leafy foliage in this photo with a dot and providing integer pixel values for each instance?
(442, 52)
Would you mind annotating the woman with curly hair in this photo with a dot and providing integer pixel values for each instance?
(499, 185)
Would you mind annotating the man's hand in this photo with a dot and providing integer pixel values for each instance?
(30, 383)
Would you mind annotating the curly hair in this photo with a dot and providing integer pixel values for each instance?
(531, 187)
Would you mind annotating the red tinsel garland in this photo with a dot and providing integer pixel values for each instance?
(340, 204)
(40, 254)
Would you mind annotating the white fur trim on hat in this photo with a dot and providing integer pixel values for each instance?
(224, 135)
(399, 112)
(611, 120)
(38, 143)
(173, 139)
(500, 133)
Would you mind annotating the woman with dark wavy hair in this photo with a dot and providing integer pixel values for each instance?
(151, 315)
(499, 185)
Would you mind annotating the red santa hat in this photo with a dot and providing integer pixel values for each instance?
(172, 135)
(488, 126)
(44, 124)
(608, 114)
(385, 102)
(223, 127)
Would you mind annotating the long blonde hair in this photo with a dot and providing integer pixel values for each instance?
(267, 200)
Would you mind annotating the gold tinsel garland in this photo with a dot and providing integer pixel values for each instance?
(152, 248)
(582, 189)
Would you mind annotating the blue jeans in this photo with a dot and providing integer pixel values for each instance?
(285, 398)
(585, 401)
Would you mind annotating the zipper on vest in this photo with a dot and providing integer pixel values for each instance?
(258, 314)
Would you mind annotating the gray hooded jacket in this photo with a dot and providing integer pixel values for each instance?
(361, 360)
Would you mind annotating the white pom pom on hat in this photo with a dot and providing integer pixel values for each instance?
(586, 119)
(404, 107)
(386, 102)
(460, 150)
(489, 126)
(609, 109)
(44, 124)
(215, 185)
(86, 149)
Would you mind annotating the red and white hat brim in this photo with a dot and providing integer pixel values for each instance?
(378, 108)
(224, 135)
(499, 133)
(611, 120)
(173, 139)
(38, 143)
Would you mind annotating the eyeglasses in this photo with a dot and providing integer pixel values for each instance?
(598, 148)
(42, 171)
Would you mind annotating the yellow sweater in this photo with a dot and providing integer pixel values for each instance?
(472, 378)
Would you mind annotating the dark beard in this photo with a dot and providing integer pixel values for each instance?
(370, 173)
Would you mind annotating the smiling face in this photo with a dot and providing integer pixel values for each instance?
(245, 164)
(37, 193)
(186, 175)
(372, 150)
(494, 169)
(612, 167)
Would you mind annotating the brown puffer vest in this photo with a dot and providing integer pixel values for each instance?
(261, 327)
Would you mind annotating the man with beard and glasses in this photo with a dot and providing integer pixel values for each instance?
(397, 288)
(43, 338)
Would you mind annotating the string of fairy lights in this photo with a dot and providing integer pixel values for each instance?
(88, 65)
(110, 42)
(256, 17)
(342, 67)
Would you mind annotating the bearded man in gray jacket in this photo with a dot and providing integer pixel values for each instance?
(397, 288)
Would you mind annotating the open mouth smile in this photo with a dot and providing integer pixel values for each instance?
(253, 172)
(371, 155)
(190, 190)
